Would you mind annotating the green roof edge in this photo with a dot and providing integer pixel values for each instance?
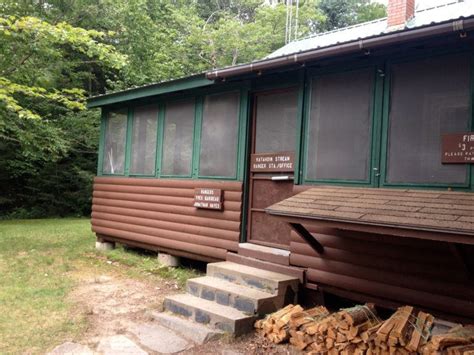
(186, 83)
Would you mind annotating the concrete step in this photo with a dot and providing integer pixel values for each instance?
(260, 252)
(245, 299)
(293, 271)
(263, 280)
(203, 311)
(196, 332)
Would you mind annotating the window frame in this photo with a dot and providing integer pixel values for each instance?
(197, 97)
(386, 120)
(374, 133)
(130, 128)
(102, 141)
(194, 100)
(238, 138)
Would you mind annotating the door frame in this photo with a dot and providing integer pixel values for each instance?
(299, 86)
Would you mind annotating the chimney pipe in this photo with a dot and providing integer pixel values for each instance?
(399, 12)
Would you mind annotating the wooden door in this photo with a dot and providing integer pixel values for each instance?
(274, 128)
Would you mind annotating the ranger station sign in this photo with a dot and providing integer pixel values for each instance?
(210, 199)
(272, 162)
(458, 148)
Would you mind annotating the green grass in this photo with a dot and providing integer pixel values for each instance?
(37, 260)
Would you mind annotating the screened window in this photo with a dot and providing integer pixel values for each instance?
(220, 125)
(178, 138)
(339, 127)
(276, 122)
(428, 98)
(115, 138)
(145, 121)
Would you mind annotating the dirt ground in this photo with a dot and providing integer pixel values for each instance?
(112, 303)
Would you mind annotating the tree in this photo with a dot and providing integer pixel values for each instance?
(43, 72)
(342, 13)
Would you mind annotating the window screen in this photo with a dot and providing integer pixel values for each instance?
(115, 138)
(145, 120)
(178, 138)
(219, 135)
(428, 98)
(276, 122)
(340, 125)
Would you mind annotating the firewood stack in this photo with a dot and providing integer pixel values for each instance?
(405, 332)
(358, 330)
(341, 332)
(457, 341)
(276, 326)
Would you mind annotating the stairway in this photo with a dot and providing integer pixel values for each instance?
(232, 296)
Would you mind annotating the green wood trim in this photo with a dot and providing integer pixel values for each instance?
(300, 112)
(243, 138)
(128, 141)
(193, 82)
(102, 127)
(159, 139)
(377, 113)
(198, 112)
(312, 74)
(386, 121)
(244, 154)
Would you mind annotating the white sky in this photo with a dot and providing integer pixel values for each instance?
(422, 4)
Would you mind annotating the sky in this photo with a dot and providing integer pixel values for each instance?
(422, 4)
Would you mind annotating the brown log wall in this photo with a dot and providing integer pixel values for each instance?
(397, 270)
(159, 213)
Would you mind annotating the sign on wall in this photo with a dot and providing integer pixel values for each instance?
(458, 148)
(210, 199)
(272, 162)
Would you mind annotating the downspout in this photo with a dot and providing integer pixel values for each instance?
(346, 48)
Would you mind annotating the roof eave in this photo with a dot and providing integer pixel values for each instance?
(191, 82)
(458, 25)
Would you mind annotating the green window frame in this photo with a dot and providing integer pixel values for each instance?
(130, 150)
(103, 137)
(200, 132)
(468, 184)
(193, 141)
(198, 99)
(374, 127)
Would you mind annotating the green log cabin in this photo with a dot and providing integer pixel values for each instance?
(349, 152)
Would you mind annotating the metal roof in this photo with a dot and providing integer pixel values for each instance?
(424, 17)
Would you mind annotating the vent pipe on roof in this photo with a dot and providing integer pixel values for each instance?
(399, 12)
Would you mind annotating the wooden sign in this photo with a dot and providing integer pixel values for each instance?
(458, 148)
(272, 162)
(210, 199)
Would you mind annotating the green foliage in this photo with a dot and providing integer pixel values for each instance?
(342, 13)
(57, 52)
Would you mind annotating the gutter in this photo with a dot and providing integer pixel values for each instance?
(346, 48)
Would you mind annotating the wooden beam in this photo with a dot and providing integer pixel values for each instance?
(308, 237)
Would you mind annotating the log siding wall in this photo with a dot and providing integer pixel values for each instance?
(159, 213)
(388, 269)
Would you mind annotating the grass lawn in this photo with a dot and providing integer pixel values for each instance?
(37, 260)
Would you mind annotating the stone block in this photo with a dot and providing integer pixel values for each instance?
(119, 345)
(193, 331)
(104, 246)
(208, 294)
(168, 260)
(222, 298)
(160, 339)
(202, 317)
(70, 348)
